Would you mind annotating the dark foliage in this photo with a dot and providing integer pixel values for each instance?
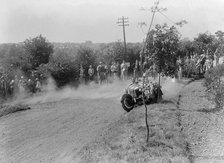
(214, 83)
(63, 68)
(38, 50)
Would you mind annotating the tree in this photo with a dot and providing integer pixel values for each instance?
(105, 53)
(62, 66)
(85, 57)
(114, 52)
(162, 47)
(185, 48)
(111, 52)
(220, 41)
(14, 59)
(133, 51)
(39, 50)
(220, 35)
(204, 42)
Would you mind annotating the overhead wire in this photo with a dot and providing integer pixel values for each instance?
(166, 17)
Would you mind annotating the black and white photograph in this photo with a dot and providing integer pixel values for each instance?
(111, 81)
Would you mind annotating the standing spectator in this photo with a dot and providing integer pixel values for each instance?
(81, 75)
(216, 58)
(179, 64)
(198, 65)
(208, 63)
(11, 87)
(113, 70)
(91, 73)
(16, 84)
(100, 73)
(30, 85)
(124, 70)
(38, 85)
(203, 59)
(106, 73)
(21, 85)
(187, 60)
(2, 85)
(136, 71)
(118, 69)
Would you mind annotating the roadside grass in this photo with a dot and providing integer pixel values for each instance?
(125, 140)
(6, 109)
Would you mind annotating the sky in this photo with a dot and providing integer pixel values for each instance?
(95, 20)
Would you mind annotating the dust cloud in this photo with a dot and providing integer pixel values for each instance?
(170, 87)
(90, 91)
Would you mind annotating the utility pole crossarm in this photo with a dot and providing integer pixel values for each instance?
(124, 25)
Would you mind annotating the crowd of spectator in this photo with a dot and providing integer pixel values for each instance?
(104, 73)
(18, 85)
(197, 64)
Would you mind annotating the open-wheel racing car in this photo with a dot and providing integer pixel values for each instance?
(134, 93)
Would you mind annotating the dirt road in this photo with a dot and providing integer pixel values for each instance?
(55, 131)
(57, 127)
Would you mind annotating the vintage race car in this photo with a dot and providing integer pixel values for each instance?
(136, 92)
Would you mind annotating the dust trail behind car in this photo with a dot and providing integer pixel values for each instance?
(170, 87)
(90, 91)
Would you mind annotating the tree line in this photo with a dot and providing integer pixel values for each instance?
(37, 58)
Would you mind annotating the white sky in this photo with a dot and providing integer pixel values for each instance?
(95, 20)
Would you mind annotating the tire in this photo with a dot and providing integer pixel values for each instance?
(127, 102)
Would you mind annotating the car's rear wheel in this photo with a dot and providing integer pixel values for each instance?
(127, 102)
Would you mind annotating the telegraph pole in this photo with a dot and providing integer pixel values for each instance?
(123, 22)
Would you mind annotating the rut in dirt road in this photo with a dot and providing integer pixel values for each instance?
(178, 114)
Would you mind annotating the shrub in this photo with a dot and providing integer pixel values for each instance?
(214, 83)
(63, 68)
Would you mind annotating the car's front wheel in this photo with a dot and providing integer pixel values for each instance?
(127, 102)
